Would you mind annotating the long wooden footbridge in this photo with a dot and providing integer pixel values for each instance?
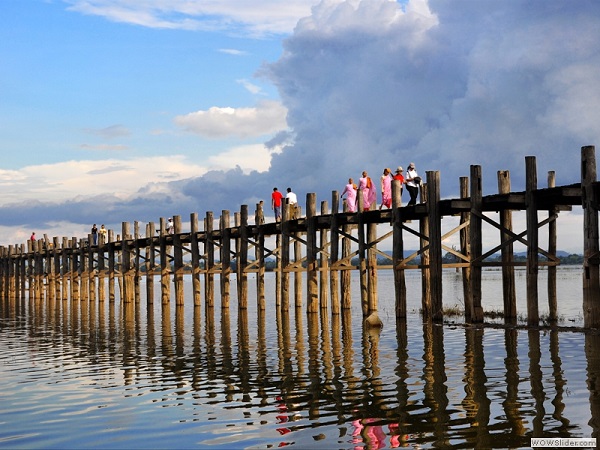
(324, 248)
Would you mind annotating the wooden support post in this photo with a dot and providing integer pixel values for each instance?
(398, 251)
(533, 316)
(475, 228)
(56, 256)
(92, 250)
(111, 265)
(435, 244)
(225, 259)
(84, 266)
(165, 264)
(209, 258)
(362, 257)
(552, 299)
(334, 253)
(591, 255)
(324, 261)
(66, 270)
(312, 288)
(136, 260)
(74, 269)
(371, 268)
(178, 261)
(297, 274)
(150, 262)
(507, 252)
(465, 249)
(259, 254)
(424, 241)
(284, 261)
(195, 249)
(126, 269)
(345, 279)
(242, 259)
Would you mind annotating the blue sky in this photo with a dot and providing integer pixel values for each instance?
(121, 110)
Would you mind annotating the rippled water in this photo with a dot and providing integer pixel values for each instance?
(78, 374)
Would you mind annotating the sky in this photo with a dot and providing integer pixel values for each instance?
(117, 111)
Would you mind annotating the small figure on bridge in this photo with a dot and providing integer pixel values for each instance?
(276, 197)
(412, 183)
(350, 192)
(386, 188)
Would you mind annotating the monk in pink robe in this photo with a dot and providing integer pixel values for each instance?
(350, 193)
(386, 188)
(368, 190)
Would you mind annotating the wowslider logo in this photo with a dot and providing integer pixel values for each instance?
(563, 442)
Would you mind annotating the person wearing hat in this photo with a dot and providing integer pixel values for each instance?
(400, 177)
(412, 179)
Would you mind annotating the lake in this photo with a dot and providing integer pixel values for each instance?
(80, 374)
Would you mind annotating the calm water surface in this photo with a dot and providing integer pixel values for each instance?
(107, 375)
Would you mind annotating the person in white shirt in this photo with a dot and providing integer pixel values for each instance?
(292, 201)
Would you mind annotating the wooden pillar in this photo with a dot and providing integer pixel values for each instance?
(435, 243)
(126, 268)
(242, 259)
(533, 316)
(334, 253)
(324, 261)
(84, 267)
(136, 260)
(74, 270)
(465, 249)
(398, 251)
(259, 254)
(475, 227)
(56, 256)
(178, 261)
(507, 252)
(165, 264)
(92, 250)
(283, 268)
(225, 258)
(150, 262)
(297, 274)
(591, 255)
(372, 268)
(312, 292)
(345, 278)
(362, 257)
(195, 249)
(426, 305)
(209, 258)
(66, 269)
(552, 298)
(30, 272)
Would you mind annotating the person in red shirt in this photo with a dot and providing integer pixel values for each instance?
(276, 197)
(400, 178)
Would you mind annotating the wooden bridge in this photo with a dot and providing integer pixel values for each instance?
(326, 246)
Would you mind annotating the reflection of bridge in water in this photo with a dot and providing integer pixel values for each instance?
(325, 246)
(479, 387)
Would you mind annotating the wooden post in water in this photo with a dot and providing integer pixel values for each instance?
(345, 279)
(362, 263)
(465, 249)
(178, 267)
(259, 254)
(533, 316)
(92, 249)
(209, 258)
(324, 261)
(425, 259)
(552, 299)
(398, 251)
(298, 273)
(111, 266)
(66, 270)
(56, 256)
(225, 259)
(435, 244)
(508, 270)
(137, 259)
(126, 271)
(242, 259)
(312, 288)
(150, 262)
(284, 274)
(195, 248)
(334, 253)
(371, 268)
(165, 264)
(475, 228)
(591, 252)
(84, 248)
(74, 269)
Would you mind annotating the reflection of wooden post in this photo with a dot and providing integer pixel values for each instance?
(533, 316)
(398, 251)
(311, 254)
(195, 249)
(324, 270)
(209, 252)
(225, 258)
(334, 253)
(508, 270)
(552, 301)
(591, 255)
(178, 261)
(475, 243)
(435, 243)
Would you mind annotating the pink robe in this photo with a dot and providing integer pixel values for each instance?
(386, 190)
(350, 197)
(369, 194)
